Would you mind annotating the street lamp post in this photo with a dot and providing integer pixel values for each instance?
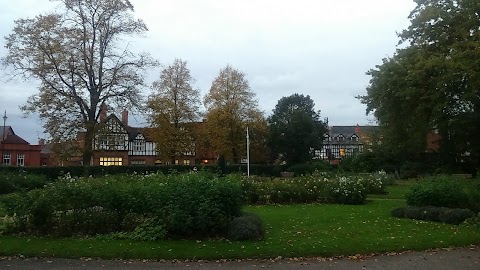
(3, 135)
(248, 154)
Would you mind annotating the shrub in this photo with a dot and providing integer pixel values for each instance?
(375, 183)
(318, 187)
(301, 169)
(441, 191)
(246, 227)
(413, 213)
(347, 191)
(455, 216)
(90, 221)
(183, 205)
(473, 221)
(474, 196)
(439, 214)
(432, 213)
(20, 181)
(398, 212)
(152, 229)
(52, 173)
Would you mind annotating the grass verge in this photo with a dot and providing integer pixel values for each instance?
(292, 231)
(396, 191)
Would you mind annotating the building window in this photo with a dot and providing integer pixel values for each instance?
(354, 138)
(21, 160)
(176, 161)
(103, 145)
(138, 146)
(138, 162)
(111, 161)
(186, 162)
(340, 138)
(7, 158)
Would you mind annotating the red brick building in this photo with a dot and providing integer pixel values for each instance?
(15, 151)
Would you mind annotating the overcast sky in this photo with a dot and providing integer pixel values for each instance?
(312, 47)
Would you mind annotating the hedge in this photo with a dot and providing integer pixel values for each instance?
(53, 173)
(180, 205)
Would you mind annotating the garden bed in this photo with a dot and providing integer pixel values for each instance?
(292, 231)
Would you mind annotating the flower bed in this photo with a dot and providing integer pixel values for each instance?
(315, 188)
(152, 206)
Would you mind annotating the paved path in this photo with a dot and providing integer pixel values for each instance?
(463, 258)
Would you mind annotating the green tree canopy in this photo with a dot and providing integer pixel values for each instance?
(432, 83)
(295, 129)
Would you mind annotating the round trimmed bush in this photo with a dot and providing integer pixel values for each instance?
(246, 227)
(455, 216)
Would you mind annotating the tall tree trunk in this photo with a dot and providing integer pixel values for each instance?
(88, 143)
(235, 155)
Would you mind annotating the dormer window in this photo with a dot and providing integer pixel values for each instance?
(340, 138)
(354, 138)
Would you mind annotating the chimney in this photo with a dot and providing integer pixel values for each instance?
(358, 130)
(103, 112)
(125, 117)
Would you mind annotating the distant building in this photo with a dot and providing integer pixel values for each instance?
(345, 141)
(118, 144)
(15, 151)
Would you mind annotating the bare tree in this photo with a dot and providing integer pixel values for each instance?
(75, 53)
(174, 110)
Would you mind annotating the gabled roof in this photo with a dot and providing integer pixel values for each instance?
(348, 131)
(132, 131)
(6, 131)
(115, 118)
(14, 139)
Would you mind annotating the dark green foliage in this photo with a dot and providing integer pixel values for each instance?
(221, 165)
(184, 205)
(433, 213)
(369, 162)
(295, 127)
(473, 221)
(474, 196)
(20, 181)
(248, 226)
(90, 221)
(435, 79)
(398, 212)
(151, 229)
(52, 173)
(301, 169)
(441, 191)
(309, 168)
(438, 214)
(455, 216)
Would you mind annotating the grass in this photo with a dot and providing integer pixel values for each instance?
(292, 231)
(396, 191)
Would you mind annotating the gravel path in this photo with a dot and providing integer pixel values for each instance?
(461, 258)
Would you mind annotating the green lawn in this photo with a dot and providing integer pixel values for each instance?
(396, 191)
(292, 231)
